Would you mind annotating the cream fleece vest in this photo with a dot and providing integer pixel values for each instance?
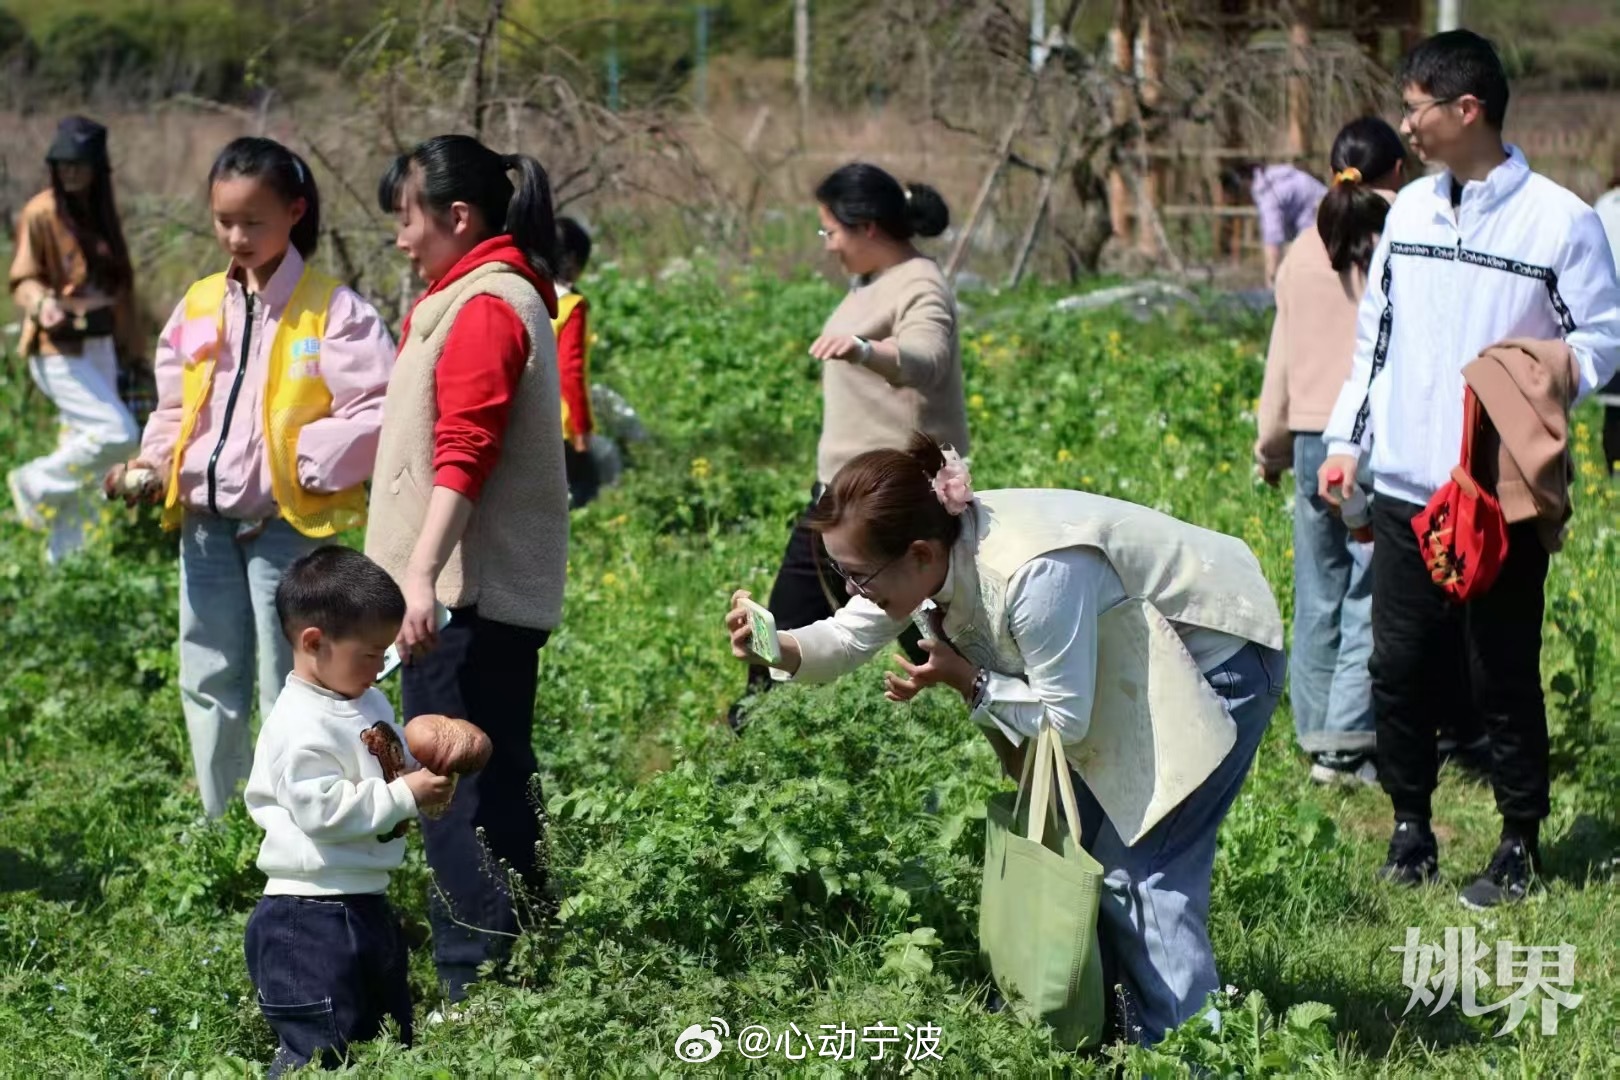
(512, 560)
(1158, 729)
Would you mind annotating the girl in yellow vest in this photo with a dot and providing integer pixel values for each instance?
(573, 361)
(270, 381)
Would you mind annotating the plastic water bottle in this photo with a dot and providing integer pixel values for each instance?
(1353, 511)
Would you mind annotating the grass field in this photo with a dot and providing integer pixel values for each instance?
(824, 868)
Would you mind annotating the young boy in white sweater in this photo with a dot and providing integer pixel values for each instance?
(334, 789)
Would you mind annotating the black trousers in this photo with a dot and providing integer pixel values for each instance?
(1423, 641)
(485, 672)
(327, 969)
(584, 483)
(807, 590)
(1611, 435)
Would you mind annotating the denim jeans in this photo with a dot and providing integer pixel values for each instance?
(328, 970)
(229, 632)
(1329, 685)
(1153, 920)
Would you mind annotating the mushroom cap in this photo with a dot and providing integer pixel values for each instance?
(447, 745)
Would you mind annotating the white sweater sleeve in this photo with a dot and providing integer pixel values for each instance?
(327, 806)
(1052, 610)
(1350, 427)
(835, 646)
(1588, 287)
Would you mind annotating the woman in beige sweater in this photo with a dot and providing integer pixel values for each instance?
(891, 362)
(1319, 287)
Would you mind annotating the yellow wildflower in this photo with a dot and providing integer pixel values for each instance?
(1064, 455)
(610, 579)
(976, 401)
(1225, 466)
(1171, 440)
(700, 468)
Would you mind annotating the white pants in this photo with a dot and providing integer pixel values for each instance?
(58, 493)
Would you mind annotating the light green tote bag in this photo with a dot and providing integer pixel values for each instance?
(1038, 907)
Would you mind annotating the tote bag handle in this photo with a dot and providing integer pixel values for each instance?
(1042, 761)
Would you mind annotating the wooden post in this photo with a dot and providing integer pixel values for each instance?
(1299, 80)
(1234, 39)
(1121, 48)
(1151, 46)
(801, 61)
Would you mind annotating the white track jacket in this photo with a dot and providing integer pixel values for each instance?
(1520, 257)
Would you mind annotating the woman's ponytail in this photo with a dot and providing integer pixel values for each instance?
(287, 174)
(861, 194)
(530, 217)
(1351, 217)
(306, 235)
(458, 168)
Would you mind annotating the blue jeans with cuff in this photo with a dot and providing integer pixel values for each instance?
(328, 970)
(1153, 918)
(1329, 685)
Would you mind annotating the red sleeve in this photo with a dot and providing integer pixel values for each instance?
(474, 383)
(571, 370)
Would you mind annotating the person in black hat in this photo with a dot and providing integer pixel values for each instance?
(72, 282)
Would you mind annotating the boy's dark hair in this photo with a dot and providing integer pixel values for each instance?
(1447, 66)
(573, 247)
(338, 591)
(287, 174)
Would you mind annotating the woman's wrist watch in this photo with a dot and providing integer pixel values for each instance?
(863, 349)
(979, 691)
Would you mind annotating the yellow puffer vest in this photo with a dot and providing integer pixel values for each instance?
(565, 308)
(295, 395)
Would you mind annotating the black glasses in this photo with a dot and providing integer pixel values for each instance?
(860, 582)
(1411, 110)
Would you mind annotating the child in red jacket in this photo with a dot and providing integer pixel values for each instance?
(573, 352)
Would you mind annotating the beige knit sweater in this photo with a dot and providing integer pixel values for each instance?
(861, 410)
(513, 558)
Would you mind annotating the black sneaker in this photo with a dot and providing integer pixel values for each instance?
(1414, 856)
(1506, 879)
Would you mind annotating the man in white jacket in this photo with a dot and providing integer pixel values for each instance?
(334, 789)
(1482, 251)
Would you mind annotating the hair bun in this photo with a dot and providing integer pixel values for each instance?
(926, 210)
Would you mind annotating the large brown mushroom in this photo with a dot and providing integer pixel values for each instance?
(447, 746)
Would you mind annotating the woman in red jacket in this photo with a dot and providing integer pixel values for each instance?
(469, 507)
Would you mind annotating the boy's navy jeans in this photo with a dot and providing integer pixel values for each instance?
(328, 970)
(486, 672)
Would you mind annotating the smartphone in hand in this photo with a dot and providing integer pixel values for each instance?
(763, 641)
(391, 658)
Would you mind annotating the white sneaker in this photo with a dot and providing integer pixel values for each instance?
(1364, 775)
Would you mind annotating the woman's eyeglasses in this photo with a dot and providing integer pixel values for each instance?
(859, 582)
(825, 234)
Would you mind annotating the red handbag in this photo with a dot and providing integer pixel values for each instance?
(1462, 533)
